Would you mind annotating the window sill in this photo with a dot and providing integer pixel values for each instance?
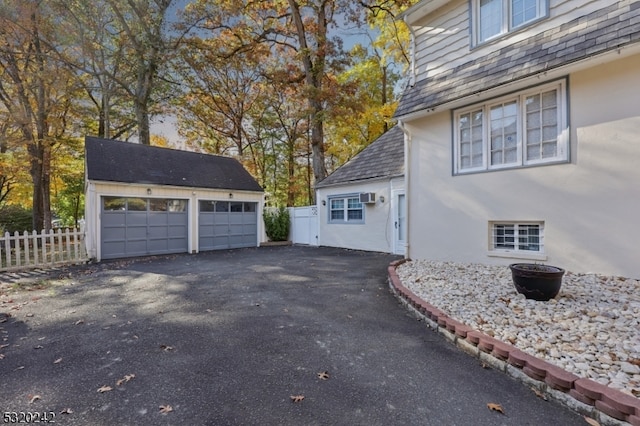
(518, 255)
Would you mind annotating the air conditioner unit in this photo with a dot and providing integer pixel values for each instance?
(368, 197)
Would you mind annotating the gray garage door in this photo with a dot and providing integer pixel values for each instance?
(143, 226)
(227, 224)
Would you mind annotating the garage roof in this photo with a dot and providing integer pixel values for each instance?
(116, 161)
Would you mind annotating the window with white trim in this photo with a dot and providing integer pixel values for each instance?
(493, 18)
(517, 130)
(346, 209)
(512, 237)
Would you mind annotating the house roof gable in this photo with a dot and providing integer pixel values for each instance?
(604, 30)
(116, 161)
(383, 158)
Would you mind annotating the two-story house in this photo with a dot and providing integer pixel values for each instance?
(522, 132)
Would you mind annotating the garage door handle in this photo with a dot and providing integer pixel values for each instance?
(395, 224)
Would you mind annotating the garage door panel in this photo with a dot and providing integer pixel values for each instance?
(220, 229)
(174, 232)
(176, 219)
(136, 233)
(113, 247)
(205, 219)
(136, 218)
(221, 242)
(235, 229)
(159, 219)
(137, 247)
(113, 219)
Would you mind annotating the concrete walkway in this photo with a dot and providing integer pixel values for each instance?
(229, 337)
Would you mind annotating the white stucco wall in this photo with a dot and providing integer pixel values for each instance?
(590, 206)
(377, 233)
(96, 190)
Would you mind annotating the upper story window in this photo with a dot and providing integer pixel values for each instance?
(346, 209)
(521, 129)
(495, 17)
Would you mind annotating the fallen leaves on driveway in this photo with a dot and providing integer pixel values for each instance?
(165, 409)
(324, 375)
(296, 398)
(125, 379)
(495, 407)
(104, 389)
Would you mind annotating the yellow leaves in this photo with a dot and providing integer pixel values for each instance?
(495, 407)
(104, 389)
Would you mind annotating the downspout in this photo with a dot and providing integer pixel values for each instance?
(407, 198)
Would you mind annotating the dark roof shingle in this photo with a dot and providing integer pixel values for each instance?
(116, 161)
(604, 30)
(384, 157)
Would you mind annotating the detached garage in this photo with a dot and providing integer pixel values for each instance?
(144, 200)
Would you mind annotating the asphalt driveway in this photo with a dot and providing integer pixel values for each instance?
(229, 337)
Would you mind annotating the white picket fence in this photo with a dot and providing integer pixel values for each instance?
(48, 248)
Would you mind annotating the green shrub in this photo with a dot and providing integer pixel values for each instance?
(15, 218)
(276, 223)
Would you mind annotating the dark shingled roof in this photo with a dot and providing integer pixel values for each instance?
(116, 161)
(384, 157)
(604, 30)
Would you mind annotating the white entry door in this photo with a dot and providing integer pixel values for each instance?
(400, 222)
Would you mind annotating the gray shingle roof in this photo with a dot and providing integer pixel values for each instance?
(604, 30)
(116, 161)
(384, 157)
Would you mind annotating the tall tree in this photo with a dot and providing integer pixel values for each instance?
(144, 24)
(36, 92)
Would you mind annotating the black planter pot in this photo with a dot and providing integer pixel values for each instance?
(538, 282)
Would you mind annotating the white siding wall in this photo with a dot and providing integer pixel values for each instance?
(376, 234)
(590, 206)
(96, 190)
(443, 38)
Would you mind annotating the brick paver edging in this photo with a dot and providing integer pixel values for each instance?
(606, 405)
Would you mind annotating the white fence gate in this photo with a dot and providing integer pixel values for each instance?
(32, 250)
(304, 225)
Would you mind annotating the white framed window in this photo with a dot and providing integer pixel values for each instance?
(493, 18)
(346, 209)
(522, 129)
(516, 237)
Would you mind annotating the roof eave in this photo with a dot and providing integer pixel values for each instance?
(547, 75)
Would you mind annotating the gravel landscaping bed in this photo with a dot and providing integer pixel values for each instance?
(591, 328)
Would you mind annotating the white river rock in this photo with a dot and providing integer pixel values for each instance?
(591, 328)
